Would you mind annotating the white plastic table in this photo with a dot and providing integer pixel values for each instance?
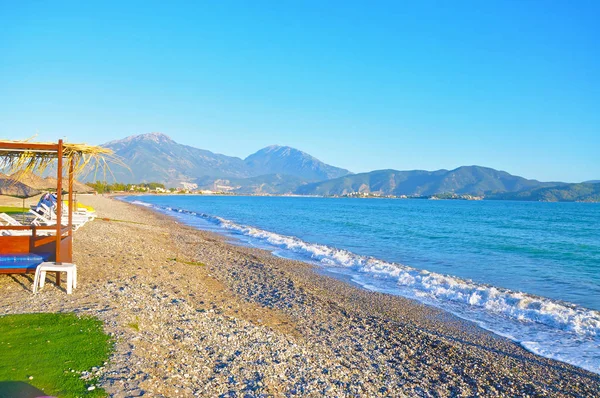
(40, 274)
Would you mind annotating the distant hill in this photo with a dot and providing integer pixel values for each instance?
(285, 160)
(592, 182)
(156, 157)
(563, 193)
(265, 184)
(475, 180)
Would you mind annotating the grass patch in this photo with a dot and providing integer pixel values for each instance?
(135, 325)
(47, 347)
(198, 263)
(12, 209)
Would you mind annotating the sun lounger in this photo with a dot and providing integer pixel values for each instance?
(47, 215)
(51, 213)
(8, 220)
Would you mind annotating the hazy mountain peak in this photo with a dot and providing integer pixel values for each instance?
(280, 150)
(148, 137)
(276, 159)
(273, 147)
(156, 157)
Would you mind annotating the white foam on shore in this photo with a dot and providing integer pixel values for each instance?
(139, 202)
(550, 328)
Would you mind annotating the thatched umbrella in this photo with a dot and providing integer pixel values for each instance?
(10, 187)
(78, 187)
(18, 189)
(31, 179)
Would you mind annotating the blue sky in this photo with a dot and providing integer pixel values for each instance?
(513, 85)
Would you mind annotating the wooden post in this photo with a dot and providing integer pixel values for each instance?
(59, 206)
(71, 172)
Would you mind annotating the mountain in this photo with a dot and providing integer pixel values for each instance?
(475, 180)
(156, 157)
(592, 182)
(265, 184)
(277, 169)
(285, 160)
(563, 193)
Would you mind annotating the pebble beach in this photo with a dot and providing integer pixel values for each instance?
(195, 315)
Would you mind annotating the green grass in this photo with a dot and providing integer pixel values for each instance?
(135, 325)
(12, 209)
(47, 347)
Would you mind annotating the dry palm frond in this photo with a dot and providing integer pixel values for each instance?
(85, 158)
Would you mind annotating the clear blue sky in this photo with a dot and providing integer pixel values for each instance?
(513, 85)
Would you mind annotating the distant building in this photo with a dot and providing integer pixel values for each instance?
(188, 186)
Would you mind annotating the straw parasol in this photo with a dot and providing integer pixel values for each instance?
(31, 179)
(10, 187)
(48, 183)
(78, 187)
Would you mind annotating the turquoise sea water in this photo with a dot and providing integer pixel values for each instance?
(529, 271)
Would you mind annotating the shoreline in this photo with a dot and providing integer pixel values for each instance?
(251, 322)
(551, 336)
(432, 197)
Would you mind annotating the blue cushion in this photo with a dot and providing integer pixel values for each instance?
(20, 264)
(23, 260)
(20, 257)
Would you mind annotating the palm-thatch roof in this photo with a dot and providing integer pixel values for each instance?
(77, 186)
(31, 179)
(10, 187)
(37, 182)
(22, 157)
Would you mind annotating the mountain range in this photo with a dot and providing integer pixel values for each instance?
(278, 169)
(156, 157)
(473, 180)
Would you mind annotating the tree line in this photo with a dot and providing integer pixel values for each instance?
(104, 187)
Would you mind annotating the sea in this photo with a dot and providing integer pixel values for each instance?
(528, 271)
